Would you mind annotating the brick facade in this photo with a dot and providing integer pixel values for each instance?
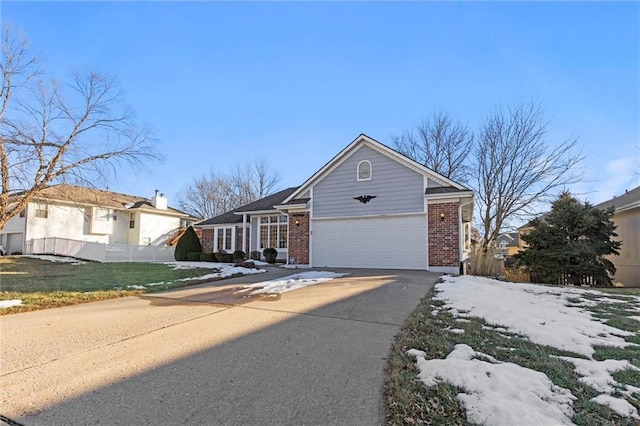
(444, 235)
(299, 237)
(207, 240)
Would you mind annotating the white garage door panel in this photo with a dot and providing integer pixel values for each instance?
(386, 242)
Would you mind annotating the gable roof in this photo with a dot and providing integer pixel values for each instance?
(364, 140)
(628, 200)
(264, 204)
(81, 195)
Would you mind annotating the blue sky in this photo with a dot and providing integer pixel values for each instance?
(226, 83)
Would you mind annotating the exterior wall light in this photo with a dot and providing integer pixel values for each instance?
(297, 222)
(442, 216)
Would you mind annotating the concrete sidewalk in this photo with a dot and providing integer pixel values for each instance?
(310, 356)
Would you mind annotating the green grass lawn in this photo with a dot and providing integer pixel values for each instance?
(410, 402)
(43, 284)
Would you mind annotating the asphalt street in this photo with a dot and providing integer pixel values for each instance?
(209, 355)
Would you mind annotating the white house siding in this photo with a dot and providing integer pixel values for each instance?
(62, 221)
(393, 242)
(397, 188)
(154, 229)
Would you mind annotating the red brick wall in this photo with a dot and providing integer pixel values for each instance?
(299, 237)
(207, 240)
(444, 235)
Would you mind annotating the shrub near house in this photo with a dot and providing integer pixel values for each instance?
(188, 243)
(569, 246)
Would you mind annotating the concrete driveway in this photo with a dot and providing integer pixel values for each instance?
(205, 356)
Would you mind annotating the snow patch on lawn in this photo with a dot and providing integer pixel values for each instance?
(543, 314)
(547, 316)
(293, 282)
(497, 393)
(224, 270)
(620, 406)
(10, 303)
(59, 259)
(597, 374)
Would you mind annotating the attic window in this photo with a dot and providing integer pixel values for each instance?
(364, 170)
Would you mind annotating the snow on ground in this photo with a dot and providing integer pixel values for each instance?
(292, 282)
(497, 393)
(224, 270)
(60, 259)
(541, 313)
(10, 303)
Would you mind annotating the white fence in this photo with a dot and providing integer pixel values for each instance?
(100, 252)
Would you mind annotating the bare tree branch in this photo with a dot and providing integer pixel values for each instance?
(51, 133)
(213, 194)
(516, 167)
(440, 144)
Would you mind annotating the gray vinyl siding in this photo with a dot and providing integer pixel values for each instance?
(433, 184)
(397, 188)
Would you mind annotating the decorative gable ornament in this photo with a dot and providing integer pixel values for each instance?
(364, 199)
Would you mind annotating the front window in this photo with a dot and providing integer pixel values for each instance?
(224, 239)
(132, 220)
(273, 232)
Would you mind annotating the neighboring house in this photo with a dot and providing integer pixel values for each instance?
(85, 214)
(508, 244)
(368, 207)
(627, 221)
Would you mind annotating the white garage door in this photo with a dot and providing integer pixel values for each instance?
(386, 242)
(14, 243)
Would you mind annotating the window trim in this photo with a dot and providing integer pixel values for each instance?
(281, 224)
(227, 240)
(358, 171)
(41, 211)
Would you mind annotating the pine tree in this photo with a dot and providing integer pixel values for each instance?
(188, 243)
(572, 242)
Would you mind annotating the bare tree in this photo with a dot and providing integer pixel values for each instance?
(440, 144)
(253, 181)
(213, 194)
(516, 166)
(50, 132)
(208, 196)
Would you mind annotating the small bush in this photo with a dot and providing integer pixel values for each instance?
(270, 255)
(194, 256)
(188, 243)
(207, 257)
(255, 255)
(238, 256)
(224, 257)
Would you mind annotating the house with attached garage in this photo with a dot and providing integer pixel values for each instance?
(368, 207)
(93, 215)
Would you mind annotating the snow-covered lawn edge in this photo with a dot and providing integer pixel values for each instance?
(59, 259)
(10, 303)
(223, 270)
(498, 333)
